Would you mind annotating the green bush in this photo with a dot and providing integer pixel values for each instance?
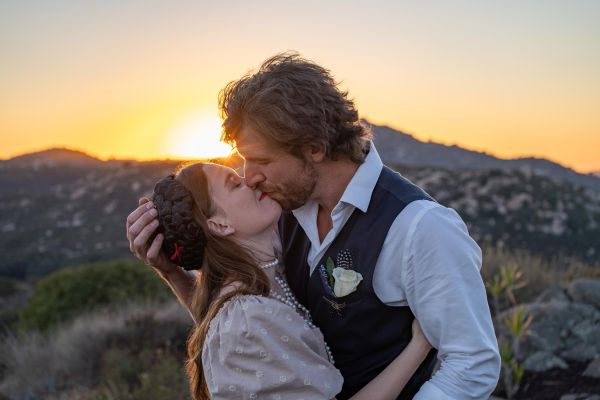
(69, 292)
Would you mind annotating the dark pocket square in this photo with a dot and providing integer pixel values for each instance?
(325, 280)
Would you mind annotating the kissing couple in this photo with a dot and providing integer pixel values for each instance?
(306, 277)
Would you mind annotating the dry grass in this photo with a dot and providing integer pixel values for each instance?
(538, 273)
(38, 366)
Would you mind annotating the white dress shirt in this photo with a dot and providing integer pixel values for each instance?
(430, 263)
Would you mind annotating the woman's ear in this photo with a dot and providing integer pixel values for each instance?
(220, 226)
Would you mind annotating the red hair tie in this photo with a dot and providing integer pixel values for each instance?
(177, 253)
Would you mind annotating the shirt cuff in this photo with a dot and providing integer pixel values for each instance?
(430, 392)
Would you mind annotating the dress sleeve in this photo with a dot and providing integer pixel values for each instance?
(258, 347)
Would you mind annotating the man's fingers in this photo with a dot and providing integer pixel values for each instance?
(143, 200)
(154, 250)
(138, 212)
(141, 240)
(135, 215)
(136, 228)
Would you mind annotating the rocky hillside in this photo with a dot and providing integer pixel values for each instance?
(60, 208)
(54, 214)
(518, 209)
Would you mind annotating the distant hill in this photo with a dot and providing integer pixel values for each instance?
(65, 208)
(54, 157)
(399, 148)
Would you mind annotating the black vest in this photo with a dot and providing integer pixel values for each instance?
(364, 334)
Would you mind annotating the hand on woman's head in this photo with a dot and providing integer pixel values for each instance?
(144, 242)
(184, 239)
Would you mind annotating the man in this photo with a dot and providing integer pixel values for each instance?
(304, 146)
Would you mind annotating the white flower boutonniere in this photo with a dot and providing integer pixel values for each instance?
(345, 281)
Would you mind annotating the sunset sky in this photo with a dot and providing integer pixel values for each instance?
(140, 79)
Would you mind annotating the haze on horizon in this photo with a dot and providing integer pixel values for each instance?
(140, 79)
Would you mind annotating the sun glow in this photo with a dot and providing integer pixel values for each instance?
(197, 136)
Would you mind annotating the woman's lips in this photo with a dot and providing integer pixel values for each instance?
(262, 196)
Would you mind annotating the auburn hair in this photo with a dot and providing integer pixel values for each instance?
(225, 262)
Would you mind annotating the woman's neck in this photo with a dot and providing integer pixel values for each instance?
(261, 246)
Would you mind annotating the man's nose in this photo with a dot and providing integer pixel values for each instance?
(254, 180)
(252, 177)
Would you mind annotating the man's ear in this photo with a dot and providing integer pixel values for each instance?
(313, 153)
(220, 226)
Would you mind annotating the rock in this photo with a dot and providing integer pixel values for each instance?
(583, 342)
(543, 361)
(568, 330)
(593, 369)
(580, 353)
(553, 293)
(585, 291)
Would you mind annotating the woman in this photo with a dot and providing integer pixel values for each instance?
(251, 338)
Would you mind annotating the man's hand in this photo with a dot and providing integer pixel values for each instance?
(141, 224)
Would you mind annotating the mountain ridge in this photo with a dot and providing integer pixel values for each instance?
(395, 147)
(399, 148)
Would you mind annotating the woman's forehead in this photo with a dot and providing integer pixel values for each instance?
(218, 175)
(217, 169)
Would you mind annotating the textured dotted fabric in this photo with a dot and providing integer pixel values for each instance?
(260, 348)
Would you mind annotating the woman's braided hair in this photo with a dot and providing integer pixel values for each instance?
(184, 240)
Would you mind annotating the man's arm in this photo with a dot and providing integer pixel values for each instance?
(140, 226)
(445, 291)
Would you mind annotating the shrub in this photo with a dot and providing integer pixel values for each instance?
(69, 292)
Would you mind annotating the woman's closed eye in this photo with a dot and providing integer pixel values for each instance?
(234, 183)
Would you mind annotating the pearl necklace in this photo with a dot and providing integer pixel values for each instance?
(270, 264)
(289, 299)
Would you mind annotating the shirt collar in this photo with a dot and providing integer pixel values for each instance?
(360, 188)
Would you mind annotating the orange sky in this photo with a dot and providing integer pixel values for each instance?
(136, 80)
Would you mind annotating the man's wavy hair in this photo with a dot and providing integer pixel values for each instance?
(293, 102)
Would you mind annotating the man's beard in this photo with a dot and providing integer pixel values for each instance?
(296, 194)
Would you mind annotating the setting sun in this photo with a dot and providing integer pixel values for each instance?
(196, 136)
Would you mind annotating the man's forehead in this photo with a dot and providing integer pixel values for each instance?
(244, 146)
(249, 143)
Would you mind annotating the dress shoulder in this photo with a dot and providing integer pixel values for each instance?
(258, 345)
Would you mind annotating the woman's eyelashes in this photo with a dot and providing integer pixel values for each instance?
(234, 183)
